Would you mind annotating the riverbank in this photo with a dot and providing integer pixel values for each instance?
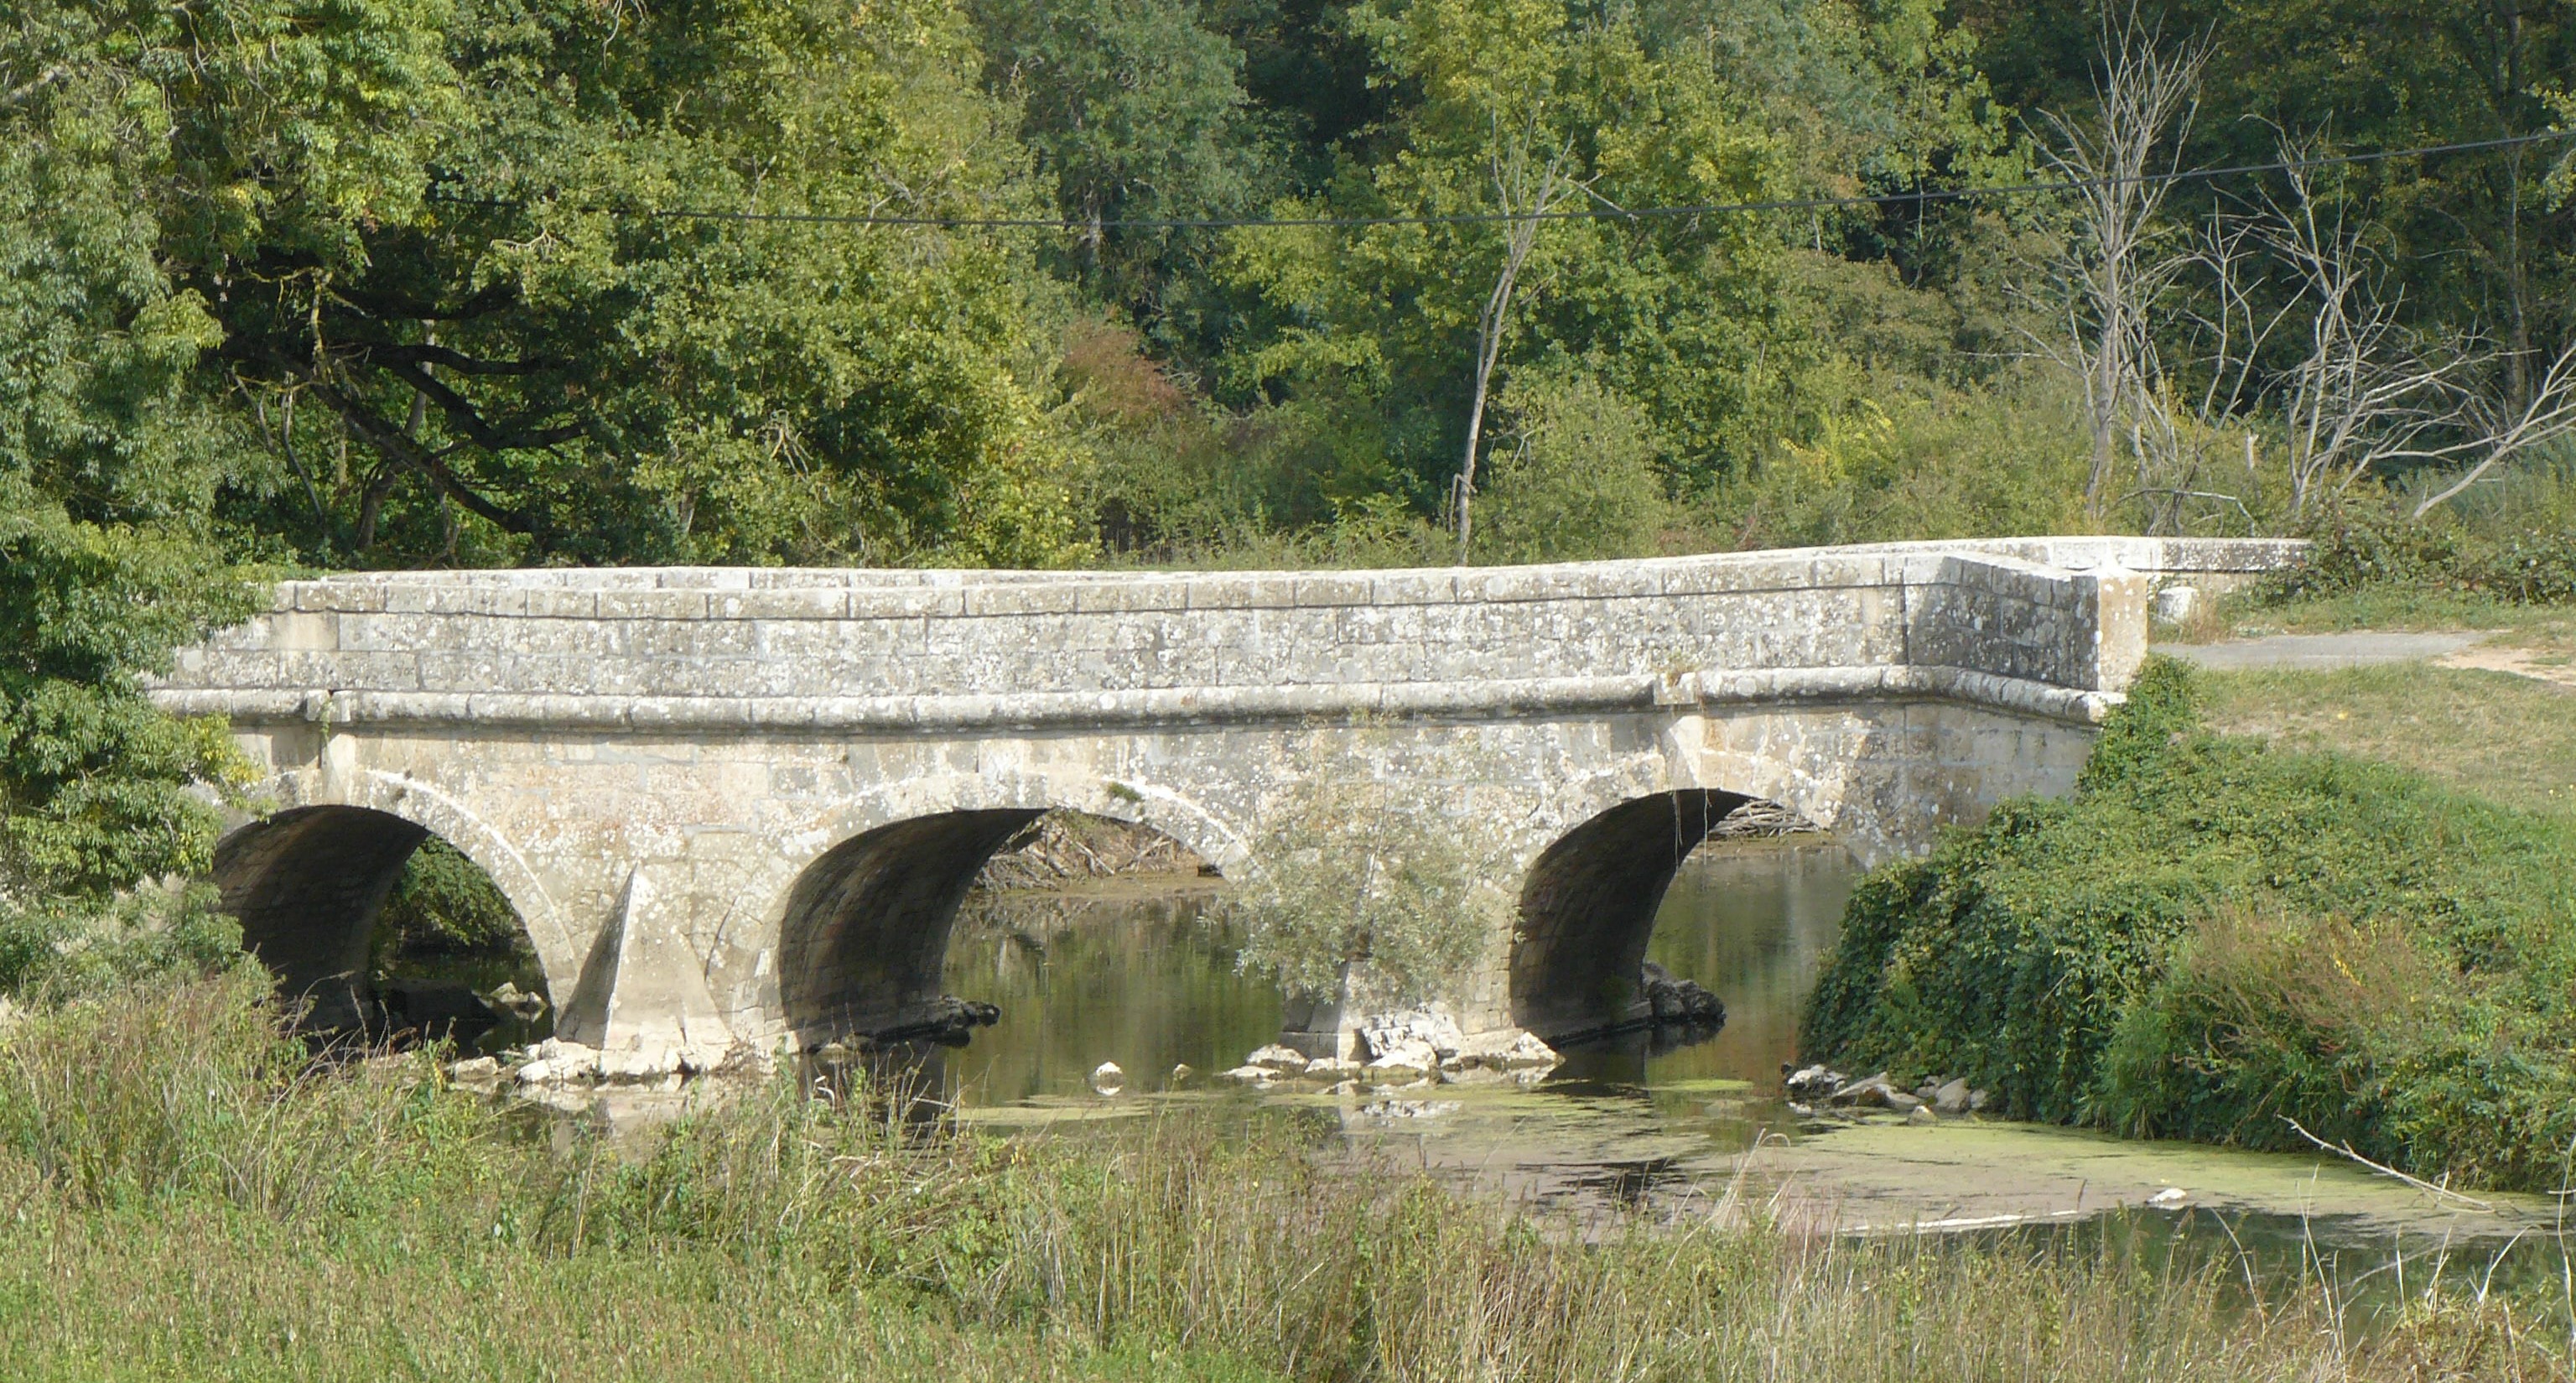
(257, 1218)
(2220, 940)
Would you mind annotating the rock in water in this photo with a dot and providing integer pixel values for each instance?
(510, 1001)
(1921, 1114)
(1107, 1078)
(1430, 1026)
(1867, 1091)
(1951, 1098)
(1508, 1049)
(1287, 1061)
(1675, 1000)
(1812, 1082)
(1403, 1060)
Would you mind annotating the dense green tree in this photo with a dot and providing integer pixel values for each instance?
(1704, 322)
(94, 782)
(1138, 112)
(434, 282)
(413, 281)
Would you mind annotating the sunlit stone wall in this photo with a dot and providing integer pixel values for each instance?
(664, 754)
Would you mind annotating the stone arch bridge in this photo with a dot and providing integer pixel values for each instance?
(742, 805)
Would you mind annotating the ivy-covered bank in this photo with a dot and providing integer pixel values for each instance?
(2213, 937)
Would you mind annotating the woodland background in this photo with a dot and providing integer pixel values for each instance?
(320, 284)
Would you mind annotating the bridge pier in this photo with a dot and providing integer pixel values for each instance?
(808, 767)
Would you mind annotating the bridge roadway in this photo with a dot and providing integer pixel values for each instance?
(742, 805)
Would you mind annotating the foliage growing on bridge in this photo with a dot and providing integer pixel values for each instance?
(1357, 880)
(2214, 937)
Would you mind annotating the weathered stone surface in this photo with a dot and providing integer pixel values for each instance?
(1430, 1031)
(1286, 1061)
(1402, 1060)
(802, 770)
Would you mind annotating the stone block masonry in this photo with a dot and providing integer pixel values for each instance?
(785, 778)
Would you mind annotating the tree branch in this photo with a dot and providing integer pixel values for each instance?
(491, 298)
(390, 442)
(400, 353)
(461, 414)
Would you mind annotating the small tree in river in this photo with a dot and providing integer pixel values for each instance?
(1351, 878)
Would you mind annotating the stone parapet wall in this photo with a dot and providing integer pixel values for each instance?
(2014, 623)
(745, 802)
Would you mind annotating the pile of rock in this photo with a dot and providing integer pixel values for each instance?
(1406, 1047)
(1676, 1000)
(557, 1062)
(1816, 1089)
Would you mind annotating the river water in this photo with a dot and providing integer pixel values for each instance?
(1142, 973)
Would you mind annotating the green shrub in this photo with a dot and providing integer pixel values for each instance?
(1353, 877)
(1893, 458)
(444, 903)
(2367, 545)
(2213, 937)
(1576, 478)
(55, 949)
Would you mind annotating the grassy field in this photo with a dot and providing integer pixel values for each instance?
(2511, 739)
(181, 1196)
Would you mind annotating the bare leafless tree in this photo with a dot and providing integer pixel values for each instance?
(1526, 191)
(2296, 330)
(2365, 391)
(2121, 263)
(2500, 429)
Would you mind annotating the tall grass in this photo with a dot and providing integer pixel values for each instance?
(201, 1203)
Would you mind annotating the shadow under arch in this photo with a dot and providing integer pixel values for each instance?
(308, 884)
(1587, 910)
(865, 936)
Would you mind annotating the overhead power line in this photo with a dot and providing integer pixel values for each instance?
(1592, 213)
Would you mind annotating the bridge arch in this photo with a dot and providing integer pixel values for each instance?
(1588, 904)
(848, 928)
(308, 881)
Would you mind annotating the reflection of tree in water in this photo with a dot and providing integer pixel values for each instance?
(445, 945)
(1133, 966)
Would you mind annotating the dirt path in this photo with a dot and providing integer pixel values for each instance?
(2321, 651)
(2522, 662)
(2474, 649)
